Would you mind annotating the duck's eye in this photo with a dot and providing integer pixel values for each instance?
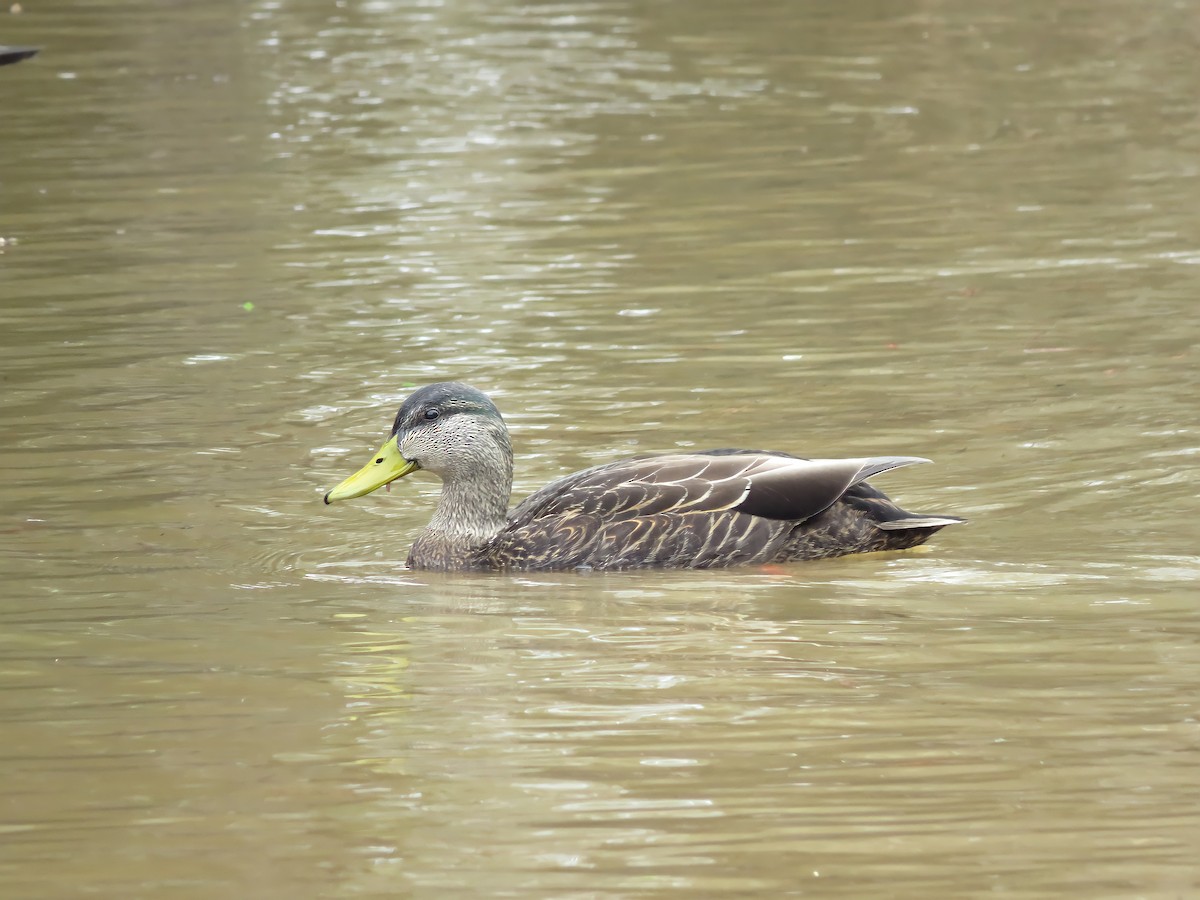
(432, 414)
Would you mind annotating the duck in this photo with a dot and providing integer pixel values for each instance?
(684, 510)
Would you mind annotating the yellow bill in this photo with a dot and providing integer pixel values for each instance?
(385, 467)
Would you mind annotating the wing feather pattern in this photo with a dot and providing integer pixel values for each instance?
(698, 510)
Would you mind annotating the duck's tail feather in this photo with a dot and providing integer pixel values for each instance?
(918, 522)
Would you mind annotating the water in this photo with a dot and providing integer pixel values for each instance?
(233, 242)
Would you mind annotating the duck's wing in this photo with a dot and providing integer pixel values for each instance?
(771, 485)
(709, 508)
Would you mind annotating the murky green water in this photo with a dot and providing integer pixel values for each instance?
(234, 237)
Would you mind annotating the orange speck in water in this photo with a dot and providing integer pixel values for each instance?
(772, 569)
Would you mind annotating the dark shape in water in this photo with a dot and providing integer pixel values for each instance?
(10, 55)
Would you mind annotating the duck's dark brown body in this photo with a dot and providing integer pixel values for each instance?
(704, 511)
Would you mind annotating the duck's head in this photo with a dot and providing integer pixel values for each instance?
(450, 429)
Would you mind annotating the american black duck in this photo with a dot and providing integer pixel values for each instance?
(679, 510)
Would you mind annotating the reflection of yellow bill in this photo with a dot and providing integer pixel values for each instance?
(385, 467)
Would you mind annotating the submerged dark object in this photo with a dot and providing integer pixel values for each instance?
(9, 55)
(679, 510)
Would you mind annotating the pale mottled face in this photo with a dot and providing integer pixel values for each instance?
(444, 427)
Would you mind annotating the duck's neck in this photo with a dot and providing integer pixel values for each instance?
(471, 510)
